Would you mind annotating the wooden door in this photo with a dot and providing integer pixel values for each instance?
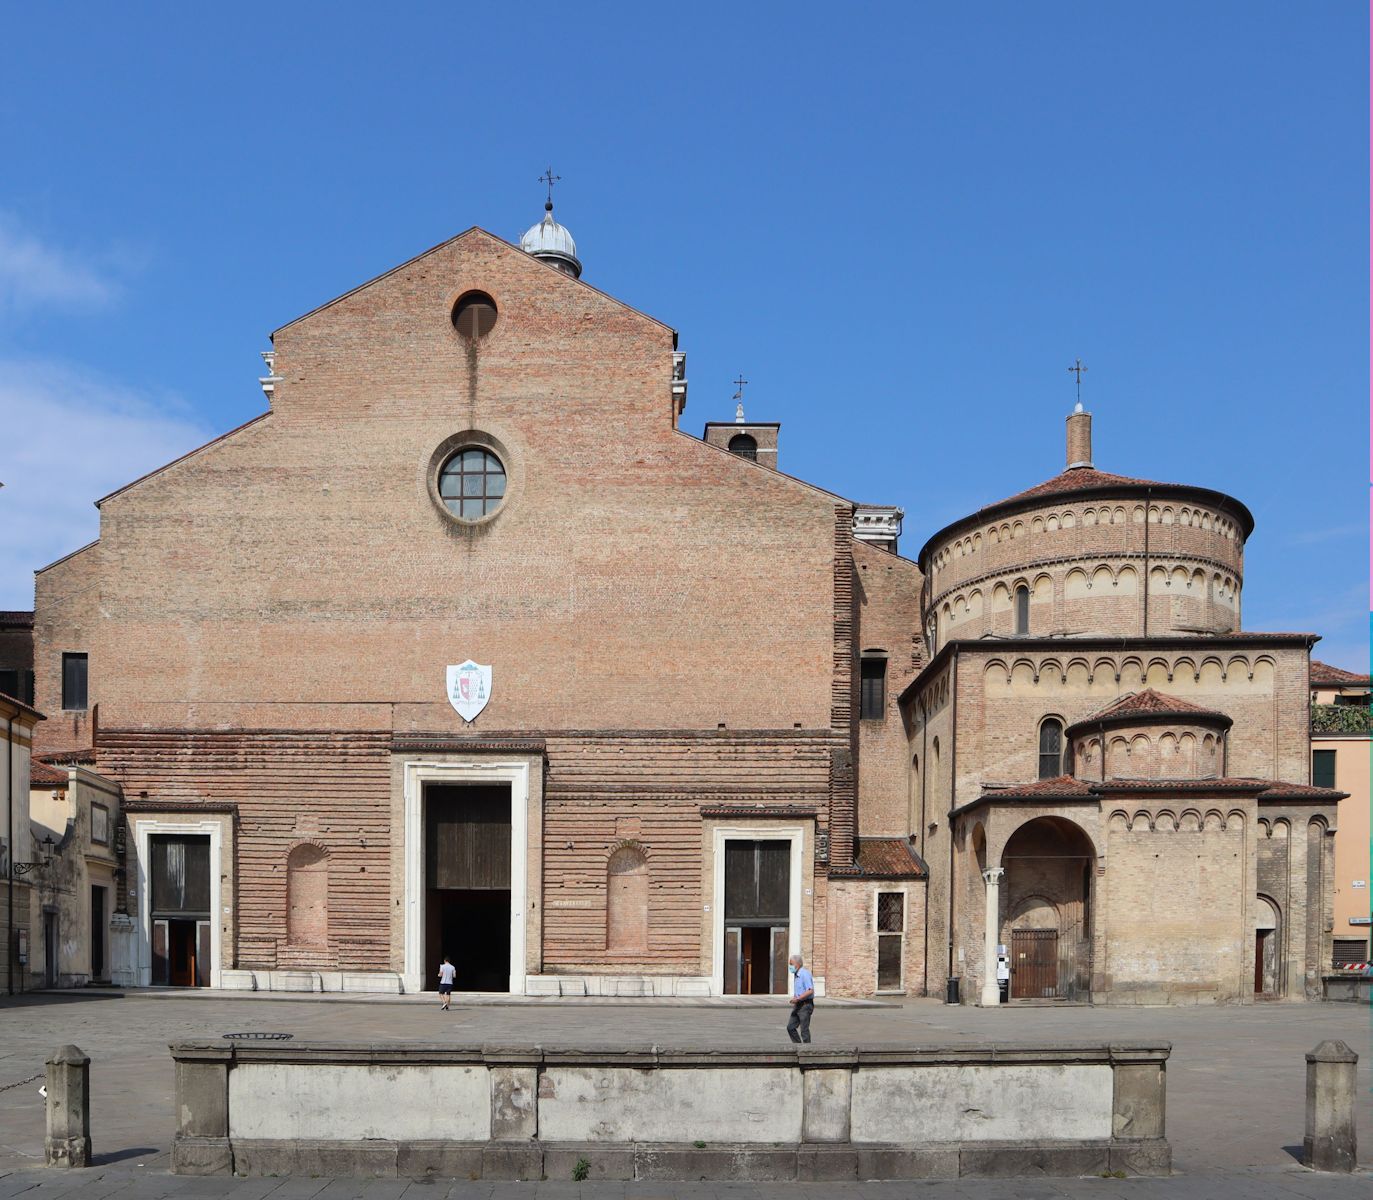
(733, 958)
(201, 974)
(780, 982)
(1034, 964)
(162, 970)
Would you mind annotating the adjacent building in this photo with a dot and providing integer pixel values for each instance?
(78, 938)
(468, 644)
(1341, 756)
(16, 842)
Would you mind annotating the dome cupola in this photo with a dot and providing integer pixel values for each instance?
(552, 243)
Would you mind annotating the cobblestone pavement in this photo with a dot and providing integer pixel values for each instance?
(1236, 1079)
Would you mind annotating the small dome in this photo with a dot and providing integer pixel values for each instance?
(553, 244)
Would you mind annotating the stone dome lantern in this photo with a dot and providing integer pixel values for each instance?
(553, 244)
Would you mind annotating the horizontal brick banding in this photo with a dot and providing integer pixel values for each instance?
(599, 787)
(271, 778)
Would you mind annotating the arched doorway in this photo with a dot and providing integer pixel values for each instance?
(1047, 907)
(1267, 934)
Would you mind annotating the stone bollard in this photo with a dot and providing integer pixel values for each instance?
(68, 1142)
(1329, 1143)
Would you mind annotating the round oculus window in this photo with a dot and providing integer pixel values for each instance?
(472, 483)
(474, 315)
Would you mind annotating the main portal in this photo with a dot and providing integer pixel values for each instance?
(467, 911)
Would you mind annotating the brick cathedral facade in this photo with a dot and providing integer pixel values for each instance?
(724, 719)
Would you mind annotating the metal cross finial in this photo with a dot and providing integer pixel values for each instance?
(549, 178)
(1076, 369)
(739, 383)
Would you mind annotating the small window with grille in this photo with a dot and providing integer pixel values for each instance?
(891, 938)
(1349, 951)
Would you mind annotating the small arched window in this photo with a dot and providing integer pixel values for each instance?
(1051, 748)
(745, 446)
(1022, 611)
(626, 910)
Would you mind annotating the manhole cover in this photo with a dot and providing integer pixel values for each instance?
(257, 1037)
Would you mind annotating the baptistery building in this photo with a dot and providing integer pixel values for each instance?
(468, 646)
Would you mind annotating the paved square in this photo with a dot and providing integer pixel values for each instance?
(1236, 1080)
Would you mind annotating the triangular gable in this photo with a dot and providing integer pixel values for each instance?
(474, 231)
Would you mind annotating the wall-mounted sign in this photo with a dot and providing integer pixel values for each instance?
(1361, 920)
(1359, 883)
(469, 688)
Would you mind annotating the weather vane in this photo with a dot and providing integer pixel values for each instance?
(549, 178)
(1076, 369)
(739, 383)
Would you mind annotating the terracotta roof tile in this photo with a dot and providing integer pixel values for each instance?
(1080, 479)
(1149, 701)
(1324, 673)
(1088, 479)
(18, 703)
(884, 858)
(68, 758)
(1067, 787)
(42, 775)
(15, 619)
(1063, 785)
(1148, 705)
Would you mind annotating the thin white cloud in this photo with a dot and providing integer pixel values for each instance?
(1329, 533)
(34, 274)
(71, 437)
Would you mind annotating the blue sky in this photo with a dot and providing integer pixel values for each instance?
(902, 223)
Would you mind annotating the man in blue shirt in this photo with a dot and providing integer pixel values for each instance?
(802, 1000)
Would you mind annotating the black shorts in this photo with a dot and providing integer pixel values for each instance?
(445, 989)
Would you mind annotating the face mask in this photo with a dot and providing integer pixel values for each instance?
(791, 968)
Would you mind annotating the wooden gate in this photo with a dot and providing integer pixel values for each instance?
(1034, 964)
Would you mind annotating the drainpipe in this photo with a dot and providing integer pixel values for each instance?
(953, 794)
(9, 866)
(924, 774)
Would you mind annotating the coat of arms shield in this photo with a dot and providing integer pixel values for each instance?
(469, 688)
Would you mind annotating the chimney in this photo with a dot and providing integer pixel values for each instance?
(1079, 438)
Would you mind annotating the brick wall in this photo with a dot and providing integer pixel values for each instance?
(1175, 905)
(888, 589)
(851, 969)
(66, 619)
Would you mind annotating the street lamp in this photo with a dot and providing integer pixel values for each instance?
(45, 849)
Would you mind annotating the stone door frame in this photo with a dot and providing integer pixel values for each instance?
(457, 772)
(144, 828)
(761, 832)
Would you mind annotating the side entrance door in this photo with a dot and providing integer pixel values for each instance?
(757, 916)
(1034, 964)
